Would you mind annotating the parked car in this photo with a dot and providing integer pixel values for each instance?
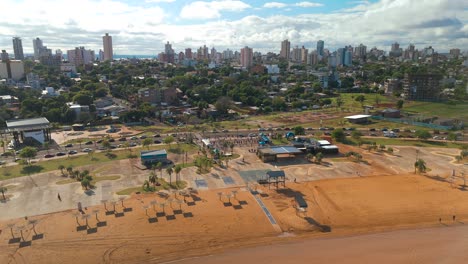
(69, 145)
(111, 140)
(287, 128)
(261, 129)
(99, 141)
(157, 142)
(49, 156)
(252, 135)
(371, 129)
(309, 128)
(225, 130)
(156, 135)
(134, 138)
(87, 150)
(143, 136)
(122, 139)
(88, 143)
(58, 154)
(133, 144)
(72, 152)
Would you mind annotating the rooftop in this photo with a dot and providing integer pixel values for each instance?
(276, 150)
(357, 116)
(153, 153)
(276, 174)
(27, 124)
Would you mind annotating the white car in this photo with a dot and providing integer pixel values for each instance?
(87, 150)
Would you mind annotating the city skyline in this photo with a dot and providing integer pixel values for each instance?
(144, 28)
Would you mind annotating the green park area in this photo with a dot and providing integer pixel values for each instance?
(8, 172)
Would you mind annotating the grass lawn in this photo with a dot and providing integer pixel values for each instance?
(428, 109)
(8, 172)
(416, 143)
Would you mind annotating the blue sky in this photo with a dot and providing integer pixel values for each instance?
(142, 27)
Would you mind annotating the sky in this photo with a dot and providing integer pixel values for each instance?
(142, 27)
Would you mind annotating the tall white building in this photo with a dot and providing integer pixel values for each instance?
(37, 45)
(285, 49)
(18, 48)
(108, 51)
(296, 54)
(246, 57)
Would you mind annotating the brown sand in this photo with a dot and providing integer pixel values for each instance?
(341, 206)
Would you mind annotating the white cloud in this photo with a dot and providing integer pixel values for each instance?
(274, 5)
(213, 9)
(160, 1)
(308, 4)
(139, 30)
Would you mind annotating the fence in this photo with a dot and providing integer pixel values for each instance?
(411, 122)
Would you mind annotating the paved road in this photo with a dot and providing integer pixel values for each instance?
(433, 245)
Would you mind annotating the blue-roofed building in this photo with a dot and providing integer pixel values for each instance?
(153, 156)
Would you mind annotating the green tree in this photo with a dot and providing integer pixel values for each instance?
(85, 183)
(356, 134)
(338, 135)
(299, 130)
(28, 153)
(420, 166)
(451, 136)
(422, 134)
(168, 140)
(177, 170)
(400, 104)
(159, 167)
(360, 98)
(152, 178)
(169, 171)
(319, 157)
(3, 190)
(70, 170)
(61, 168)
(147, 142)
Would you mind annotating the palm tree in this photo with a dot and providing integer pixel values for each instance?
(85, 183)
(177, 170)
(319, 157)
(61, 168)
(169, 171)
(309, 156)
(70, 170)
(420, 166)
(159, 166)
(152, 178)
(3, 190)
(146, 185)
(76, 174)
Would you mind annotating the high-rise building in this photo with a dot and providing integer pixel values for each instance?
(285, 49)
(320, 46)
(37, 45)
(396, 51)
(312, 58)
(246, 57)
(360, 51)
(169, 53)
(18, 48)
(304, 53)
(228, 54)
(424, 87)
(12, 69)
(296, 54)
(340, 56)
(108, 51)
(4, 56)
(455, 53)
(348, 58)
(213, 53)
(101, 55)
(80, 56)
(188, 53)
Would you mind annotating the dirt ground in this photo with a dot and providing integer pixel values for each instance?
(336, 207)
(62, 136)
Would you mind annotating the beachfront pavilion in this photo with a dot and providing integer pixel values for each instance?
(276, 178)
(29, 130)
(272, 153)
